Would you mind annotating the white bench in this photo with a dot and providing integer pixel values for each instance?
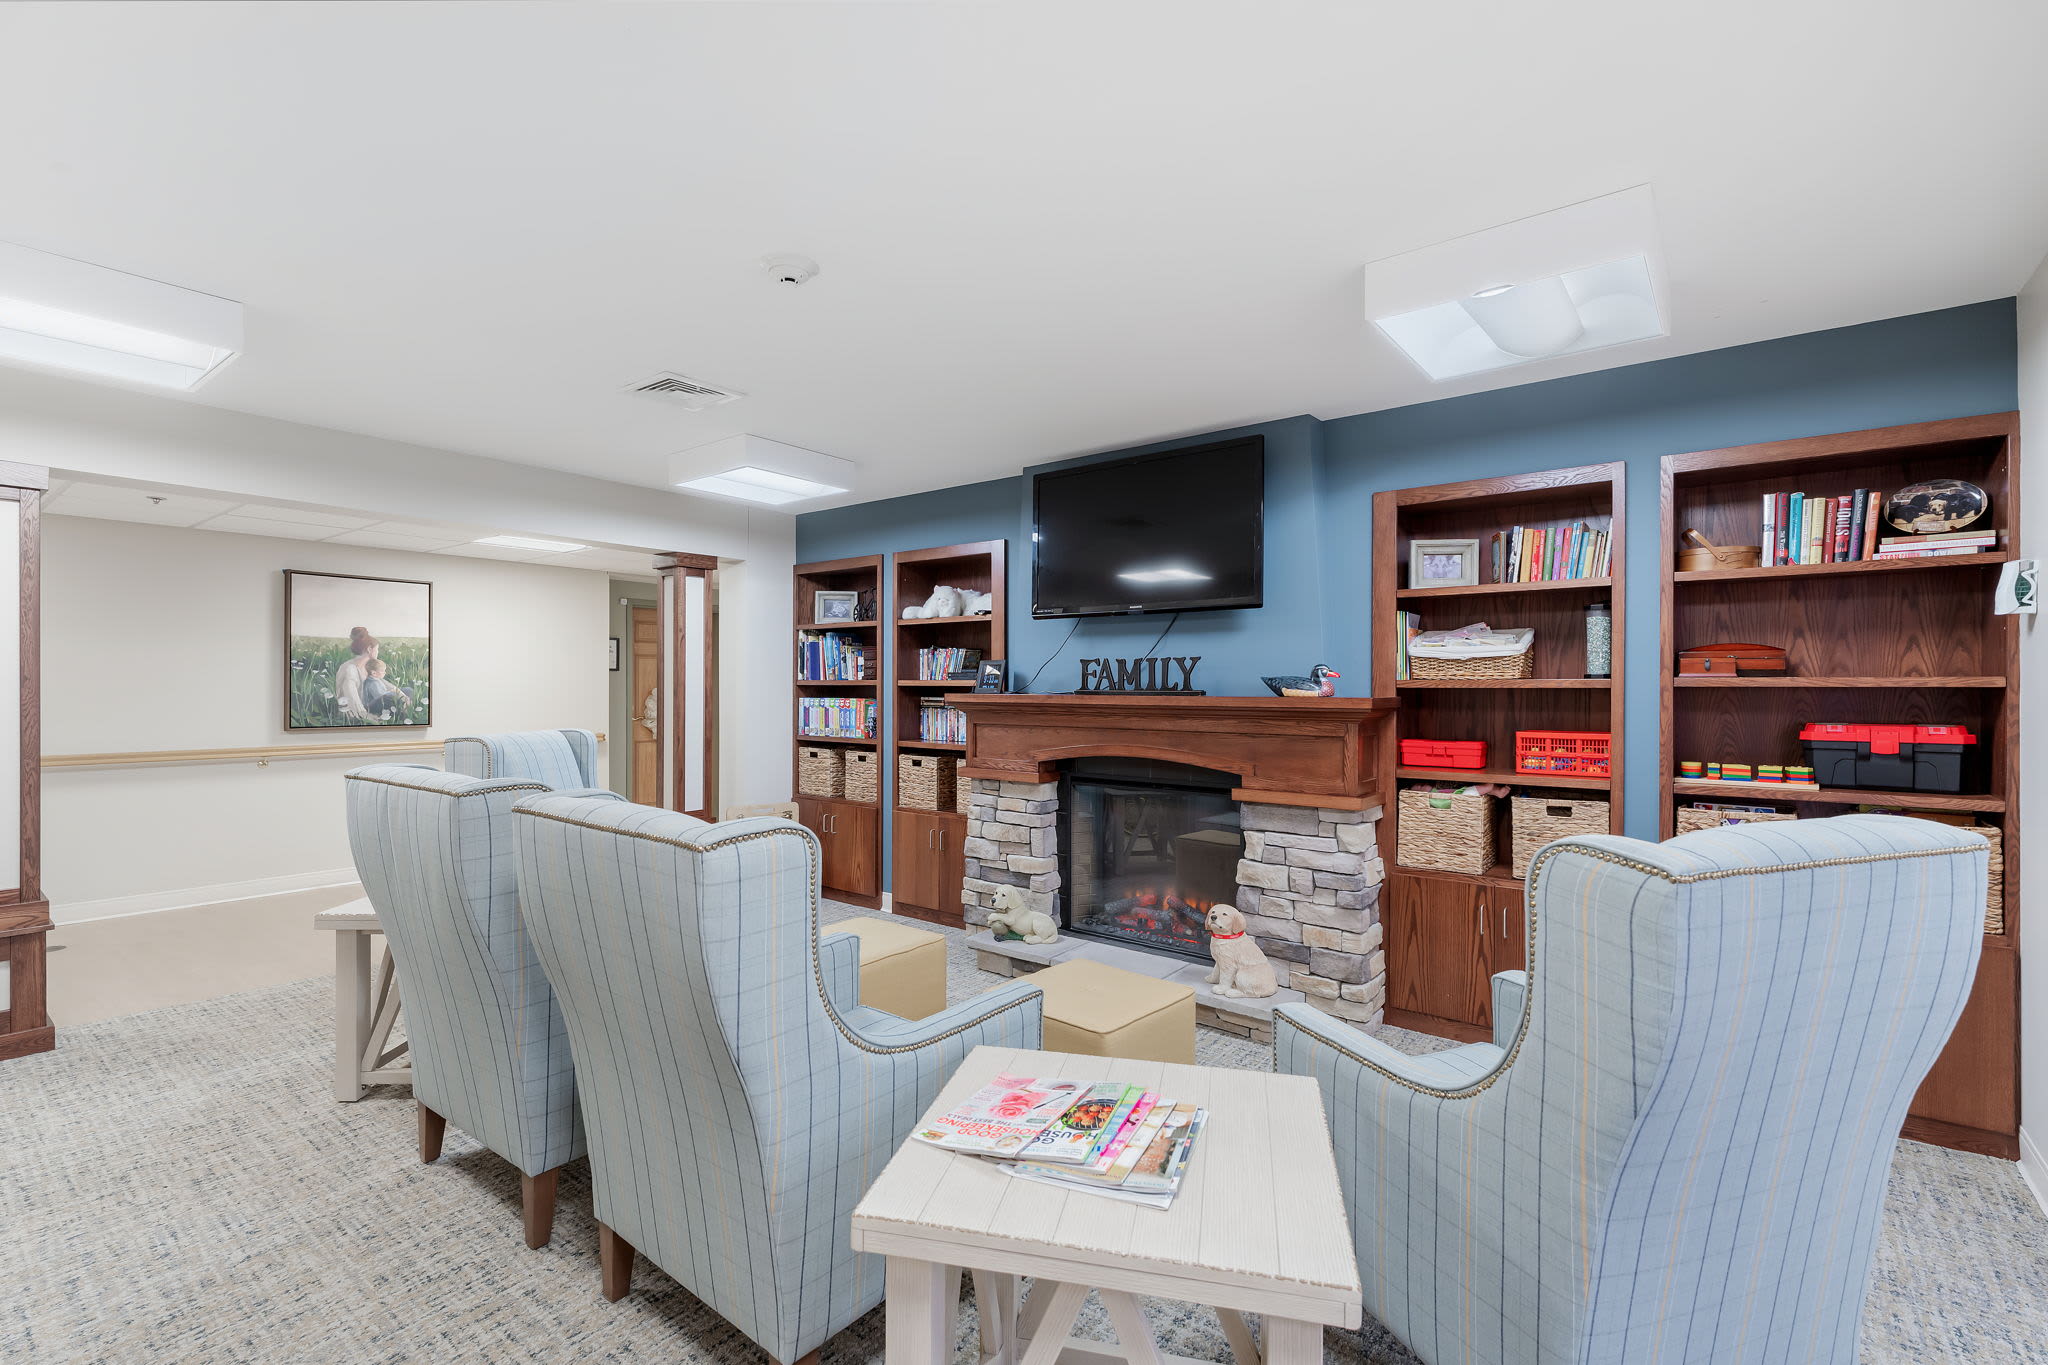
(365, 1005)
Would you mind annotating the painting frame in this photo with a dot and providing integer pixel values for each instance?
(1423, 573)
(309, 703)
(834, 608)
(615, 653)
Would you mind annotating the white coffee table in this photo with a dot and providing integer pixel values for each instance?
(1258, 1228)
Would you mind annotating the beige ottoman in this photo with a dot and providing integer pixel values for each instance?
(902, 970)
(1108, 1012)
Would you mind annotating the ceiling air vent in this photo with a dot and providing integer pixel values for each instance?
(688, 393)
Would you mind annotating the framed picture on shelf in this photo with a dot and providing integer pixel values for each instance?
(615, 653)
(358, 652)
(835, 606)
(1443, 563)
(991, 678)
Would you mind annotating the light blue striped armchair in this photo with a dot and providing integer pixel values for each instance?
(1676, 1148)
(435, 852)
(560, 758)
(738, 1104)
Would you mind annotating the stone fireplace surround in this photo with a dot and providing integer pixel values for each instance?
(1310, 878)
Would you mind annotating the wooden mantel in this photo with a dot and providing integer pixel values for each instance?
(1287, 751)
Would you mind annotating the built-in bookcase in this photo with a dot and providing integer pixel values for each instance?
(926, 846)
(1892, 642)
(850, 829)
(1448, 932)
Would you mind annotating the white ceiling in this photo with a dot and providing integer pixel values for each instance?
(160, 506)
(1043, 227)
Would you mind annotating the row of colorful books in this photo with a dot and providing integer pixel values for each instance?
(836, 717)
(1799, 528)
(1549, 554)
(937, 665)
(824, 656)
(1116, 1140)
(940, 723)
(1407, 625)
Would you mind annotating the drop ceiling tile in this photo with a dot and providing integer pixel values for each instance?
(420, 530)
(378, 540)
(133, 504)
(474, 551)
(259, 526)
(263, 511)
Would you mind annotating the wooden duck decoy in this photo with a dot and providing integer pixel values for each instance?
(1321, 682)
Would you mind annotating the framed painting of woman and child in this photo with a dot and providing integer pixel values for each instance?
(358, 651)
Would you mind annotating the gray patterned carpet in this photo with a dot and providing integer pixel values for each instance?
(178, 1187)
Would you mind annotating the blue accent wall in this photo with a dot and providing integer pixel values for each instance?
(1320, 478)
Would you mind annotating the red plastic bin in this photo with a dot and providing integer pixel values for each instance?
(1443, 753)
(1575, 753)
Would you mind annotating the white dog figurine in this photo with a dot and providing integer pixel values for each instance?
(1241, 969)
(1014, 913)
(944, 601)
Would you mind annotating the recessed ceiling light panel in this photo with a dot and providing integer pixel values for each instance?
(556, 547)
(754, 469)
(61, 314)
(760, 485)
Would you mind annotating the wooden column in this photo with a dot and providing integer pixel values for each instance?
(689, 684)
(24, 914)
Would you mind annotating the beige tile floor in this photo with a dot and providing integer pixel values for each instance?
(108, 967)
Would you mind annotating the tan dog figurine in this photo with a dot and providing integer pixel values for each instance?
(1241, 969)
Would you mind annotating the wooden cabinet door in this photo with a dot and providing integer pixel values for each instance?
(848, 831)
(924, 879)
(1507, 932)
(1437, 948)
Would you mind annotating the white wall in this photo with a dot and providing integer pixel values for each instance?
(166, 638)
(2033, 770)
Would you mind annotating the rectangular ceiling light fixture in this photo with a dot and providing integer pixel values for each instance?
(754, 469)
(553, 547)
(61, 314)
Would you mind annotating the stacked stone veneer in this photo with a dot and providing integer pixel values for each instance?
(1308, 884)
(1309, 887)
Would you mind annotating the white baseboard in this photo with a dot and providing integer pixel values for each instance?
(114, 907)
(2034, 1169)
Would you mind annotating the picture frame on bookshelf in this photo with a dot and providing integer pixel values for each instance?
(1443, 563)
(835, 606)
(992, 677)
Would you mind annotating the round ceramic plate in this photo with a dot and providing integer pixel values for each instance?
(1935, 506)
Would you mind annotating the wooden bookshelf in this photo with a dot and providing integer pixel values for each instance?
(927, 847)
(850, 831)
(1909, 641)
(1448, 932)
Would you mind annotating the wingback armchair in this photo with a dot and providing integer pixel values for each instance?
(435, 852)
(560, 758)
(738, 1104)
(1675, 1149)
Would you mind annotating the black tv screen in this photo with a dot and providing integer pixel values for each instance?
(1177, 531)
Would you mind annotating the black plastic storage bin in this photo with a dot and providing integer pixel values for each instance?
(1922, 758)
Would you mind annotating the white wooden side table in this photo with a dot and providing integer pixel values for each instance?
(365, 1004)
(1258, 1228)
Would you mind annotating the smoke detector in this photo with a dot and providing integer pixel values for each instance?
(790, 269)
(693, 394)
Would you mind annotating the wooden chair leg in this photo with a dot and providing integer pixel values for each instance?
(615, 1263)
(537, 1205)
(432, 1129)
(811, 1359)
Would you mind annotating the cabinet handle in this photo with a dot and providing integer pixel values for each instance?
(928, 840)
(1482, 919)
(941, 832)
(1503, 922)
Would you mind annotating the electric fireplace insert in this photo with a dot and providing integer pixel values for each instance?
(1146, 848)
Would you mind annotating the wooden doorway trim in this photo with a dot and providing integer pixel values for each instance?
(689, 677)
(24, 914)
(643, 683)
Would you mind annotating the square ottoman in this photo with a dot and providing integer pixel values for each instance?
(1108, 1012)
(902, 970)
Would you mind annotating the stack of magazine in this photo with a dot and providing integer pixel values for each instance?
(1121, 1141)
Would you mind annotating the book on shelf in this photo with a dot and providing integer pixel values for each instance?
(939, 664)
(825, 656)
(1806, 528)
(1407, 625)
(1548, 554)
(836, 717)
(1004, 1116)
(939, 722)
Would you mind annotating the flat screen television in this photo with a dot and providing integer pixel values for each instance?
(1177, 531)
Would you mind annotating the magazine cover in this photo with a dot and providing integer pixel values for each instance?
(1002, 1116)
(1134, 1123)
(1073, 1136)
(1172, 1148)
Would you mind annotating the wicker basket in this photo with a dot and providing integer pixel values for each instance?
(1540, 817)
(863, 775)
(1691, 821)
(924, 782)
(820, 771)
(1994, 902)
(1446, 832)
(963, 789)
(1521, 665)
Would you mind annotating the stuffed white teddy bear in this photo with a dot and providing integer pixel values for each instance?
(944, 601)
(1016, 913)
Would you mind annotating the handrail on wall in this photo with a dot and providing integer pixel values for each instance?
(261, 756)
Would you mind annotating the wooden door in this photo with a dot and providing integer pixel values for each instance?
(927, 866)
(646, 706)
(1438, 953)
(847, 830)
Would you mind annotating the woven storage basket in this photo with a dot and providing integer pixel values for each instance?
(1690, 820)
(820, 771)
(924, 781)
(963, 789)
(1521, 665)
(1994, 902)
(863, 775)
(1446, 832)
(1540, 817)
